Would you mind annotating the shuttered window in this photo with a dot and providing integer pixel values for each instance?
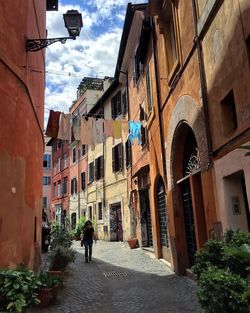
(117, 158)
(83, 180)
(128, 153)
(116, 105)
(99, 170)
(91, 172)
(73, 186)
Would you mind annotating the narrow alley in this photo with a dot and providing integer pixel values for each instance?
(122, 280)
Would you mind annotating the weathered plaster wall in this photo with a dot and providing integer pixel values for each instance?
(21, 137)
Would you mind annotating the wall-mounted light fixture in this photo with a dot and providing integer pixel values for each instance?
(73, 23)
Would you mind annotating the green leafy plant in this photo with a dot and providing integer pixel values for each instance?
(60, 257)
(221, 291)
(223, 272)
(60, 237)
(48, 281)
(246, 148)
(79, 226)
(17, 289)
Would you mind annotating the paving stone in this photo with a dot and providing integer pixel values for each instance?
(122, 280)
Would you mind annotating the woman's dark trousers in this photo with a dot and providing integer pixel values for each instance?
(88, 243)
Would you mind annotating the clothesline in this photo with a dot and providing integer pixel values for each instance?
(91, 130)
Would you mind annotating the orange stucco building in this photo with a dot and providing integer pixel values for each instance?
(21, 132)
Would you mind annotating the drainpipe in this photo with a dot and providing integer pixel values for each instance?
(158, 94)
(203, 84)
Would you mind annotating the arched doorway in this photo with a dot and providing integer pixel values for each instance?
(188, 196)
(162, 218)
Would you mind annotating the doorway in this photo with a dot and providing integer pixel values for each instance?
(146, 224)
(116, 229)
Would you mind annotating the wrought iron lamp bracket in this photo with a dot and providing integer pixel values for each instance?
(38, 44)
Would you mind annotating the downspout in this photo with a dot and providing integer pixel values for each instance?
(158, 94)
(203, 84)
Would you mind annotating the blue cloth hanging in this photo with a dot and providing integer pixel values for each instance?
(134, 132)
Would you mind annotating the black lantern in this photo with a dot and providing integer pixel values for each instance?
(73, 23)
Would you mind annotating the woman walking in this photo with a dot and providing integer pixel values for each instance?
(88, 237)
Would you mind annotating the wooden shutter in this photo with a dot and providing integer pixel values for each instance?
(101, 167)
(75, 185)
(120, 156)
(72, 186)
(113, 159)
(113, 108)
(97, 176)
(118, 103)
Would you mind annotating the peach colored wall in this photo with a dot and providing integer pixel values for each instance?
(21, 136)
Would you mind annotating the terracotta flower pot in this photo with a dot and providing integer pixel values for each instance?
(133, 243)
(46, 295)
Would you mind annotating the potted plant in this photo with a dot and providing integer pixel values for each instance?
(17, 289)
(60, 257)
(49, 286)
(133, 243)
(78, 229)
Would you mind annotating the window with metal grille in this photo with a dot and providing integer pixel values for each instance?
(117, 158)
(91, 172)
(99, 211)
(44, 202)
(99, 170)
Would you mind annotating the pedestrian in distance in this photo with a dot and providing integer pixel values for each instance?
(88, 238)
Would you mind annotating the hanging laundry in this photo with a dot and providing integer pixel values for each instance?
(76, 120)
(125, 130)
(117, 129)
(134, 132)
(98, 135)
(86, 131)
(53, 124)
(108, 128)
(64, 127)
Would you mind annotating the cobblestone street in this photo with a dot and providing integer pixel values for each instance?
(122, 280)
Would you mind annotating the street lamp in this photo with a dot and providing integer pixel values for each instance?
(73, 23)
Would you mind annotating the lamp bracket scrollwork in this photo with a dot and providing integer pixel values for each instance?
(38, 44)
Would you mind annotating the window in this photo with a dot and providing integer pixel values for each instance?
(46, 180)
(54, 168)
(117, 158)
(64, 185)
(90, 212)
(59, 164)
(144, 136)
(65, 160)
(91, 172)
(83, 180)
(73, 186)
(138, 67)
(228, 114)
(170, 40)
(44, 202)
(74, 155)
(148, 91)
(59, 189)
(54, 189)
(116, 107)
(84, 150)
(99, 211)
(99, 171)
(128, 153)
(47, 161)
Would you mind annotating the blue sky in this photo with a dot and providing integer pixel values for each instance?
(94, 53)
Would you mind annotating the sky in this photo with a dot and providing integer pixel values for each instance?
(93, 53)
